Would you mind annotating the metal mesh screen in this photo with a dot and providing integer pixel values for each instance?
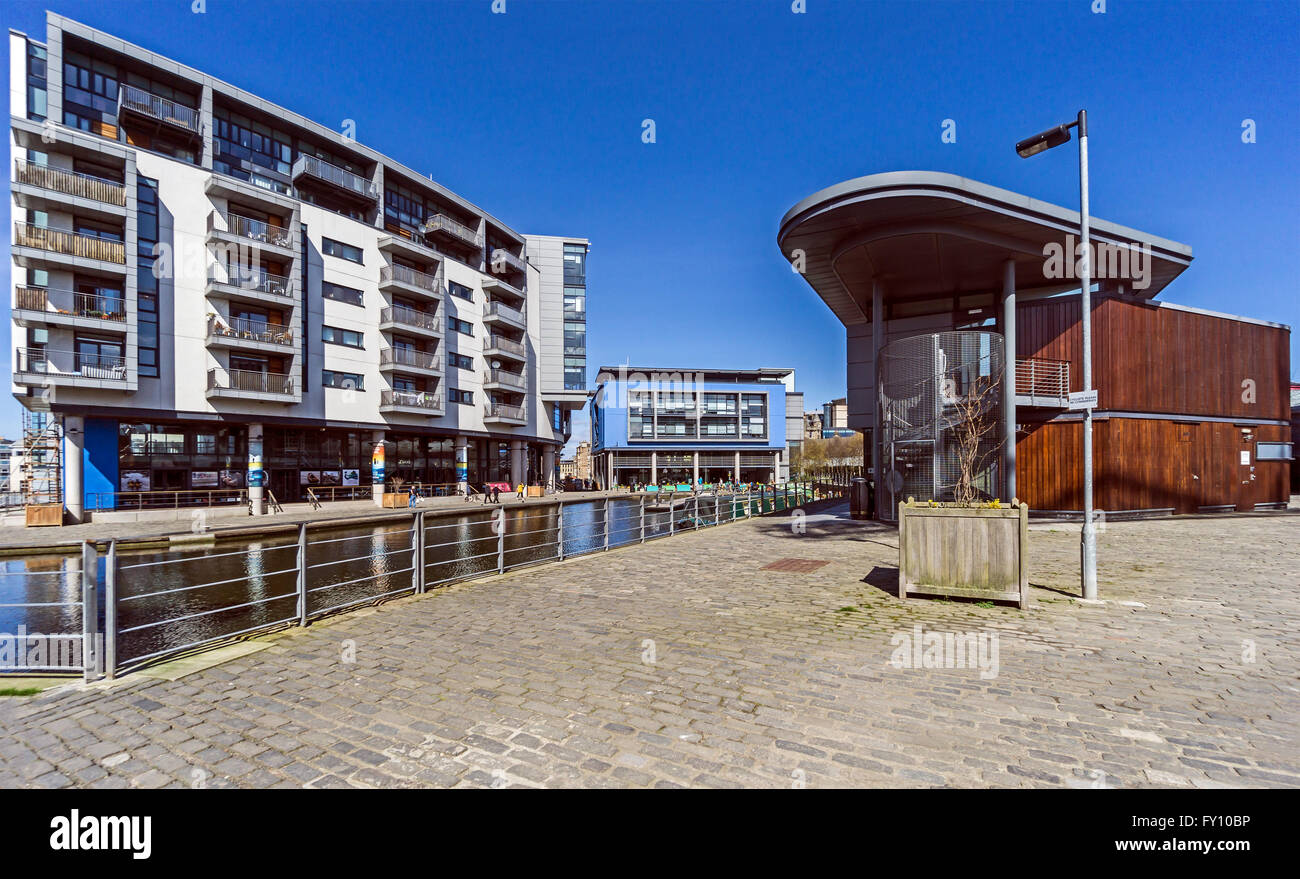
(940, 399)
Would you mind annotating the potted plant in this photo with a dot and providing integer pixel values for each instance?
(396, 499)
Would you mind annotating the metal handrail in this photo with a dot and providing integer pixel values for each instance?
(444, 223)
(47, 361)
(405, 275)
(1043, 377)
(68, 242)
(70, 182)
(168, 499)
(501, 410)
(254, 230)
(409, 357)
(252, 330)
(331, 173)
(248, 380)
(91, 305)
(410, 317)
(504, 377)
(500, 309)
(149, 104)
(501, 343)
(256, 280)
(420, 399)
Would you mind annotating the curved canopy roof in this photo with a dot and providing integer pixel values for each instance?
(926, 235)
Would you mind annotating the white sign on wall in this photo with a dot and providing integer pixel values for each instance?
(1083, 399)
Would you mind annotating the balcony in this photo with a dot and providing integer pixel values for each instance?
(158, 111)
(248, 192)
(249, 335)
(409, 360)
(250, 285)
(37, 246)
(246, 232)
(499, 288)
(401, 278)
(503, 262)
(410, 402)
(1043, 382)
(405, 319)
(447, 229)
(501, 413)
(45, 367)
(43, 188)
(43, 306)
(340, 180)
(499, 312)
(504, 380)
(404, 243)
(244, 384)
(501, 346)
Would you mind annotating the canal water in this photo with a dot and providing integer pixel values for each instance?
(171, 599)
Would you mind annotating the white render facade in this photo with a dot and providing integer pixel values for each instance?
(206, 282)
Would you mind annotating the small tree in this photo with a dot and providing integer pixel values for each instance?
(976, 412)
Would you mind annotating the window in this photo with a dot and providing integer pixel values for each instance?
(339, 293)
(147, 291)
(330, 247)
(36, 85)
(347, 380)
(460, 290)
(337, 336)
(459, 326)
(459, 361)
(455, 395)
(575, 264)
(1272, 451)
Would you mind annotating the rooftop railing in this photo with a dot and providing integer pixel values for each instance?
(70, 182)
(69, 302)
(340, 177)
(162, 109)
(69, 243)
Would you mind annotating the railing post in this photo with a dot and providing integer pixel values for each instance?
(559, 544)
(302, 573)
(642, 519)
(606, 523)
(717, 507)
(500, 514)
(672, 517)
(695, 515)
(417, 553)
(89, 608)
(110, 611)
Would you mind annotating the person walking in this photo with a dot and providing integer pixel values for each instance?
(496, 493)
(519, 491)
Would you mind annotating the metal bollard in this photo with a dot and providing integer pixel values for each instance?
(417, 553)
(642, 518)
(559, 544)
(110, 611)
(606, 523)
(302, 573)
(89, 608)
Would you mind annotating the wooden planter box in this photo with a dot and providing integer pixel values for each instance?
(535, 491)
(396, 499)
(966, 552)
(44, 514)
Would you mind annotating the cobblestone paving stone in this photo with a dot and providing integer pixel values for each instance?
(682, 663)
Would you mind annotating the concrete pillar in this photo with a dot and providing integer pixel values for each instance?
(877, 342)
(74, 455)
(695, 468)
(378, 466)
(776, 467)
(462, 465)
(609, 479)
(517, 473)
(1009, 374)
(548, 466)
(205, 116)
(737, 476)
(256, 473)
(654, 468)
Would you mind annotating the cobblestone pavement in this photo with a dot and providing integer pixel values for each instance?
(684, 663)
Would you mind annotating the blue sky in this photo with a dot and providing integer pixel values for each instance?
(536, 115)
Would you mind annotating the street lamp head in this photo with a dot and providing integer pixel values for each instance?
(1045, 140)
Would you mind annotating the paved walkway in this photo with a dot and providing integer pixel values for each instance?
(687, 662)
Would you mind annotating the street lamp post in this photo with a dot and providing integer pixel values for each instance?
(1054, 137)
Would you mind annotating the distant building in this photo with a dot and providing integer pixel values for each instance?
(835, 414)
(582, 461)
(6, 449)
(568, 468)
(812, 425)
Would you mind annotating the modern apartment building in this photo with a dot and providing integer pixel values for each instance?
(211, 291)
(654, 425)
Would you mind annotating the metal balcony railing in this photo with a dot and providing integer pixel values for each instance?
(254, 230)
(69, 243)
(501, 310)
(340, 177)
(403, 275)
(504, 258)
(70, 182)
(250, 330)
(409, 357)
(148, 104)
(410, 317)
(254, 280)
(505, 377)
(250, 381)
(1040, 377)
(69, 302)
(501, 343)
(48, 362)
(454, 228)
(501, 410)
(418, 399)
